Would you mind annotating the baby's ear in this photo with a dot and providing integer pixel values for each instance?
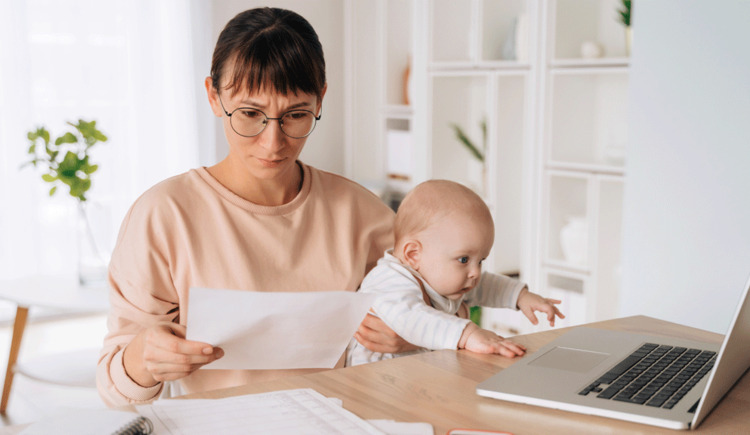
(413, 253)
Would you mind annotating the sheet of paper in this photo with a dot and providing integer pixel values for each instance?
(392, 427)
(260, 330)
(279, 412)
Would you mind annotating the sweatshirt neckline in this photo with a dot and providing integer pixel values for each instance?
(257, 208)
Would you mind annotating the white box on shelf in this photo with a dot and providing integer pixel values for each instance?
(399, 153)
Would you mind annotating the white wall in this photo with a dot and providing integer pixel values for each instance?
(325, 146)
(686, 221)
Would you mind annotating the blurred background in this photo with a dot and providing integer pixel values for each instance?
(608, 139)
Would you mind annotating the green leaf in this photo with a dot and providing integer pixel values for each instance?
(66, 138)
(53, 190)
(68, 178)
(461, 136)
(98, 135)
(76, 187)
(70, 163)
(44, 134)
(475, 315)
(90, 169)
(49, 178)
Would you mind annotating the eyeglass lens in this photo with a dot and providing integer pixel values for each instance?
(250, 122)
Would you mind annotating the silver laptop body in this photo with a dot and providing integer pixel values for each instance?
(556, 375)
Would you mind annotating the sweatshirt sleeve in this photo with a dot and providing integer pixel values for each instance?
(495, 291)
(141, 294)
(401, 306)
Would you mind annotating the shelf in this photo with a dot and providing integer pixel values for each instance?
(587, 114)
(462, 67)
(463, 101)
(398, 111)
(451, 37)
(572, 290)
(563, 267)
(590, 63)
(585, 169)
(568, 220)
(504, 30)
(586, 21)
(556, 126)
(396, 52)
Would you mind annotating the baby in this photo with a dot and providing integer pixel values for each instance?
(443, 232)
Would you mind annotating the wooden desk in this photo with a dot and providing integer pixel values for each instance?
(439, 388)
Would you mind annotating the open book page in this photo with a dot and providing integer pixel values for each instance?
(301, 411)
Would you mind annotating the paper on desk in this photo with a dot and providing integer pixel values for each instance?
(260, 330)
(283, 412)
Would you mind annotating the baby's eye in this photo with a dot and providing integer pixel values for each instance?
(463, 260)
(481, 261)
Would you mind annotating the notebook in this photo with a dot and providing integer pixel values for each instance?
(648, 379)
(92, 422)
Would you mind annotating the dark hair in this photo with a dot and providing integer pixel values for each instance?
(269, 47)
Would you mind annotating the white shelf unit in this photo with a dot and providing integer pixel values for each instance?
(474, 72)
(555, 127)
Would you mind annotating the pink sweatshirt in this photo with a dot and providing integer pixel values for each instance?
(189, 230)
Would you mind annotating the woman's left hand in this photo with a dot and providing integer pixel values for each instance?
(375, 335)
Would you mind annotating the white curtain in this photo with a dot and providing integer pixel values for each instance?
(131, 66)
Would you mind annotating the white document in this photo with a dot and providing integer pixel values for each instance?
(260, 330)
(301, 411)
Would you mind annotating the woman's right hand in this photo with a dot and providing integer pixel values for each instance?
(161, 353)
(375, 335)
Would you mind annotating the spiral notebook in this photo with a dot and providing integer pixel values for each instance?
(92, 422)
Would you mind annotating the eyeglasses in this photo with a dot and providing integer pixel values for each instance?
(249, 122)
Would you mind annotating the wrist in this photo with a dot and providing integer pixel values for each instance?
(524, 291)
(132, 363)
(470, 328)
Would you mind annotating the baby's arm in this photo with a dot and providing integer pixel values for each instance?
(402, 307)
(500, 291)
(481, 340)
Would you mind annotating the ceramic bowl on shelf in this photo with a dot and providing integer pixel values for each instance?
(574, 240)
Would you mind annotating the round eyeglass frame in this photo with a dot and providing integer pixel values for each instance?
(265, 124)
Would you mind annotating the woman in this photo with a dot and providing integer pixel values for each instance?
(259, 220)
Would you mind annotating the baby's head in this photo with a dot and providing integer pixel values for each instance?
(444, 231)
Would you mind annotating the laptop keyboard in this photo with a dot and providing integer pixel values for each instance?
(654, 375)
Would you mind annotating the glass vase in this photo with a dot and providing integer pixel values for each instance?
(93, 255)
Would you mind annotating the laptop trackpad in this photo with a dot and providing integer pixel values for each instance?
(572, 360)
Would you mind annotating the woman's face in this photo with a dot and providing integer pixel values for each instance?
(270, 154)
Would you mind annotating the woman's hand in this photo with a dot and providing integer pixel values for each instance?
(161, 353)
(375, 335)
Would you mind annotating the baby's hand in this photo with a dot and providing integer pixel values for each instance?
(529, 302)
(484, 341)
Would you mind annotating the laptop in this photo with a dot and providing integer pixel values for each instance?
(660, 381)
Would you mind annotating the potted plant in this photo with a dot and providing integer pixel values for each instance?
(477, 152)
(65, 162)
(624, 17)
